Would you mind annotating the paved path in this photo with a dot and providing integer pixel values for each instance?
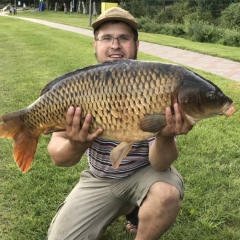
(219, 66)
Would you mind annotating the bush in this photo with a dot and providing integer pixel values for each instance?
(198, 16)
(145, 24)
(231, 16)
(137, 8)
(176, 30)
(201, 31)
(179, 10)
(231, 38)
(142, 21)
(164, 16)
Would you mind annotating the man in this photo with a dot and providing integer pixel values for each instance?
(105, 193)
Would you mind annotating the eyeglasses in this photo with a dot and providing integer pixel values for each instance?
(110, 39)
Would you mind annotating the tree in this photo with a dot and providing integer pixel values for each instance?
(231, 16)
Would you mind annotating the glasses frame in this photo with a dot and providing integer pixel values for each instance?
(108, 39)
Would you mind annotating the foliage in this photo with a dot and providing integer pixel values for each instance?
(198, 22)
(230, 38)
(146, 24)
(231, 16)
(197, 16)
(149, 25)
(196, 30)
(135, 7)
(179, 10)
(201, 31)
(173, 29)
(214, 6)
(164, 16)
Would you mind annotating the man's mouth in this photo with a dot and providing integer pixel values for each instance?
(116, 56)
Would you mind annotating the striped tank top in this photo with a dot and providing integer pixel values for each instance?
(100, 165)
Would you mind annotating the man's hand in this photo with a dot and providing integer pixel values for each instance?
(76, 134)
(164, 151)
(176, 125)
(67, 148)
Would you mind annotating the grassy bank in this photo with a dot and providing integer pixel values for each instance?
(30, 56)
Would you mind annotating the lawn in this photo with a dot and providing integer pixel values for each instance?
(30, 56)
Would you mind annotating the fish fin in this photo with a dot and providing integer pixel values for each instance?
(120, 152)
(25, 142)
(53, 129)
(153, 123)
(49, 86)
(70, 75)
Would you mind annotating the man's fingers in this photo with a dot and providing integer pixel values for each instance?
(69, 117)
(76, 118)
(87, 122)
(178, 115)
(176, 124)
(169, 117)
(96, 134)
(182, 126)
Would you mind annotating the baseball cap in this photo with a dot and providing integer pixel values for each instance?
(115, 13)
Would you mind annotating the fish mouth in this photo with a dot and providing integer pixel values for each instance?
(228, 110)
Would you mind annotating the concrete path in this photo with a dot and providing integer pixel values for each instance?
(219, 66)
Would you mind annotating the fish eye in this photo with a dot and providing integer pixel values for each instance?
(211, 95)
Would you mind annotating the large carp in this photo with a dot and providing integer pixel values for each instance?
(127, 99)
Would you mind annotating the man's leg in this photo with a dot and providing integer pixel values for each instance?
(125, 210)
(87, 211)
(132, 220)
(158, 211)
(159, 195)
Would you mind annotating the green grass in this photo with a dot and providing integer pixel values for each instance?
(30, 56)
(81, 20)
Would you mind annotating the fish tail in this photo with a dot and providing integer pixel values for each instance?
(25, 142)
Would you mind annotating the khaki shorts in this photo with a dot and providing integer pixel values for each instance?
(94, 202)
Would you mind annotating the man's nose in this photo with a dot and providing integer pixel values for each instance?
(115, 43)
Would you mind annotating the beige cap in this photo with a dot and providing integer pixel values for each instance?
(115, 13)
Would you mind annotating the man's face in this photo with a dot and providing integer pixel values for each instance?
(115, 41)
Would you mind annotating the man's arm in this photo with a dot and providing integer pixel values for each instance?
(67, 148)
(164, 150)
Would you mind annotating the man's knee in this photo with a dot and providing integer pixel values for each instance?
(165, 194)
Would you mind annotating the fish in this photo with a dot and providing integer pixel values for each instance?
(126, 98)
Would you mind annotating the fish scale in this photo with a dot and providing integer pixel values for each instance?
(127, 99)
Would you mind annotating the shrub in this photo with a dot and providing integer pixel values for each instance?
(176, 30)
(201, 31)
(179, 10)
(198, 16)
(231, 16)
(231, 38)
(136, 7)
(164, 16)
(145, 24)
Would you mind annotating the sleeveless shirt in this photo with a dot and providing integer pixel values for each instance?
(100, 165)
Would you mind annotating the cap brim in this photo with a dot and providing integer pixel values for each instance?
(96, 24)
